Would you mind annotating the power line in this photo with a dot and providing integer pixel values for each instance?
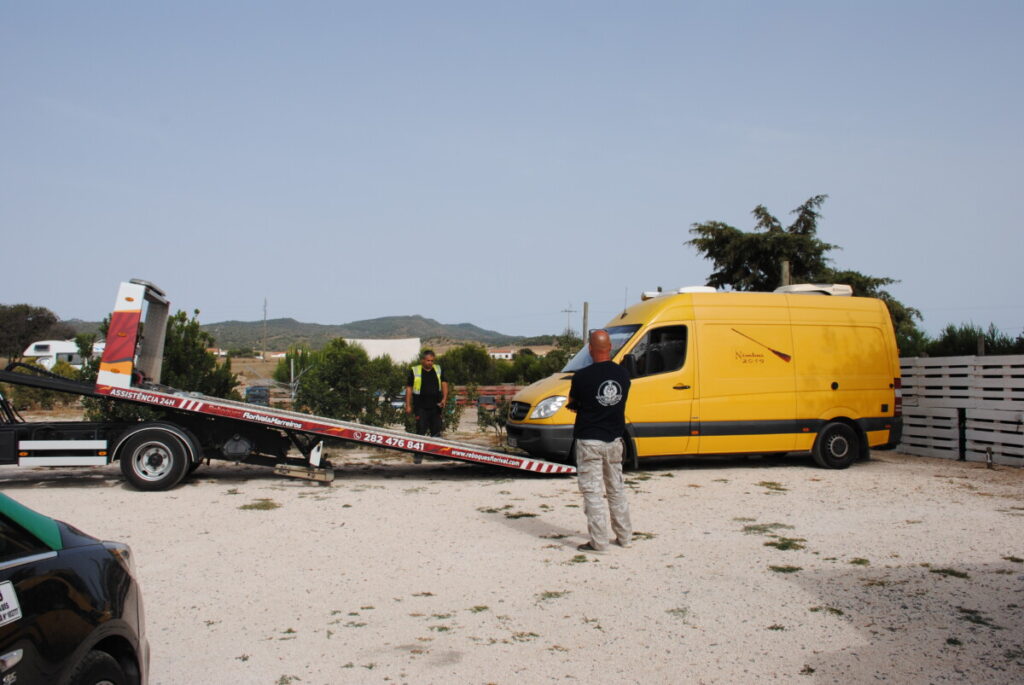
(569, 311)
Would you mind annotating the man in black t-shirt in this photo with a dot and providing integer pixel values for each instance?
(426, 393)
(598, 396)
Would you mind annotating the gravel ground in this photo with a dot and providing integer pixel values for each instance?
(900, 569)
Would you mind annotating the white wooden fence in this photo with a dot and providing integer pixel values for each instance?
(964, 408)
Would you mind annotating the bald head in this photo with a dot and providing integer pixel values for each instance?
(600, 346)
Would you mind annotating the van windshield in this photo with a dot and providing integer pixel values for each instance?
(620, 335)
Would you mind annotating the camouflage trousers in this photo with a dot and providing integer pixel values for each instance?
(599, 473)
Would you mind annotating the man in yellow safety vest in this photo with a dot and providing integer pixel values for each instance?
(426, 393)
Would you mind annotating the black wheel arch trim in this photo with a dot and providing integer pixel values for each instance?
(188, 441)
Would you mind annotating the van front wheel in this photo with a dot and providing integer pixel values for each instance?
(837, 446)
(629, 460)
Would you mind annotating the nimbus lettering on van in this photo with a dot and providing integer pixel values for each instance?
(740, 373)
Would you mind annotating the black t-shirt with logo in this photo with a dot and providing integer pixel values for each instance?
(598, 395)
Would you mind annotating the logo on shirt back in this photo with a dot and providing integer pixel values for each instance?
(609, 393)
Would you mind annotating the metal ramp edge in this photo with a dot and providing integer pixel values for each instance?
(332, 428)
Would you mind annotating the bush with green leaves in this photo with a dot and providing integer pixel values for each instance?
(342, 382)
(468, 363)
(23, 324)
(493, 418)
(296, 360)
(962, 340)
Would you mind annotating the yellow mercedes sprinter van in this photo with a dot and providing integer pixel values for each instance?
(807, 368)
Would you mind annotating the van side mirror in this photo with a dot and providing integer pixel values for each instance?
(629, 364)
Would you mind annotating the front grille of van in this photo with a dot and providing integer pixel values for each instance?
(517, 411)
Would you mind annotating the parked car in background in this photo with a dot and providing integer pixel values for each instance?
(70, 606)
(258, 394)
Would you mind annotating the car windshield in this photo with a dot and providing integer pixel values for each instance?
(620, 335)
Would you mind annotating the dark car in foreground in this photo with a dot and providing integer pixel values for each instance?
(70, 607)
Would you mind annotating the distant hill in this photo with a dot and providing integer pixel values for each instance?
(83, 326)
(283, 333)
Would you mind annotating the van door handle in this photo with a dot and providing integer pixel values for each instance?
(680, 387)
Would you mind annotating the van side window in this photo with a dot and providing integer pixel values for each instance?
(661, 350)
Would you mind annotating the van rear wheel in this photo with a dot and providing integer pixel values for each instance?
(837, 446)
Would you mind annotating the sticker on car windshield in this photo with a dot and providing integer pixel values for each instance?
(10, 610)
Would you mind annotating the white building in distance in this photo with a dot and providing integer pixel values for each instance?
(502, 353)
(401, 350)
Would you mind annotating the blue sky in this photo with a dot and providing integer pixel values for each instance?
(498, 163)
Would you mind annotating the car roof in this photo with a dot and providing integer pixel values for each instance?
(43, 527)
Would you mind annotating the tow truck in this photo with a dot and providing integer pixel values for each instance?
(158, 454)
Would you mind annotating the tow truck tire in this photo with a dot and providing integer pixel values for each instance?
(154, 459)
(837, 446)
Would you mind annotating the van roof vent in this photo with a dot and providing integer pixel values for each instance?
(651, 294)
(836, 289)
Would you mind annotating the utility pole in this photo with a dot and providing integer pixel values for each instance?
(785, 272)
(263, 356)
(568, 311)
(586, 320)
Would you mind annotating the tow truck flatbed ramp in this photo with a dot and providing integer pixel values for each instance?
(289, 421)
(156, 454)
(331, 428)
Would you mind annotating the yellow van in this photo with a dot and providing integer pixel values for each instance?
(808, 368)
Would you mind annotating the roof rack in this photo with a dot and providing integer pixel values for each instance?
(651, 294)
(835, 289)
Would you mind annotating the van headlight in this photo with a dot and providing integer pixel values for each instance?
(548, 406)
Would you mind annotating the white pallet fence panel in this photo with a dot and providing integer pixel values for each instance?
(999, 385)
(936, 381)
(1004, 360)
(997, 458)
(1002, 432)
(924, 451)
(989, 390)
(931, 432)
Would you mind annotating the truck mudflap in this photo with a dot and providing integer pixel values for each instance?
(330, 428)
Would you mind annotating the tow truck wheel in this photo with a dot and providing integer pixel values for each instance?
(837, 446)
(153, 459)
